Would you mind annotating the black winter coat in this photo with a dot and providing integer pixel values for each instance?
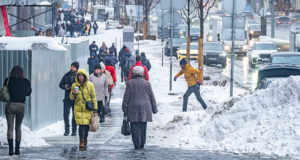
(68, 79)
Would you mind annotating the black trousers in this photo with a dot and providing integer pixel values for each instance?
(138, 134)
(122, 74)
(100, 110)
(67, 106)
(83, 131)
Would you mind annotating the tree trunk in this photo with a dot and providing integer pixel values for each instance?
(200, 43)
(145, 26)
(188, 40)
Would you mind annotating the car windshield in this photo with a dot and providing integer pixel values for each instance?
(284, 19)
(195, 30)
(254, 27)
(264, 47)
(252, 22)
(193, 47)
(212, 46)
(286, 59)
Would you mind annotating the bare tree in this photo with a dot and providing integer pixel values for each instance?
(200, 6)
(148, 5)
(188, 14)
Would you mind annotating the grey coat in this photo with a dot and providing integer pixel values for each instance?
(101, 86)
(139, 101)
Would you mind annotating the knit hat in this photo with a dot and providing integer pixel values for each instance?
(97, 66)
(138, 71)
(182, 62)
(75, 64)
(127, 50)
(102, 65)
(143, 54)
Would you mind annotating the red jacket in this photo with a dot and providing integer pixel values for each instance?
(112, 71)
(139, 63)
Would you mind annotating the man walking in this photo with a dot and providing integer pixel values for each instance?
(192, 77)
(93, 48)
(66, 84)
(95, 27)
(114, 49)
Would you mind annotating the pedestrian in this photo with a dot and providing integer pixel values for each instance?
(138, 105)
(114, 49)
(90, 27)
(130, 61)
(122, 59)
(101, 56)
(86, 29)
(92, 61)
(192, 77)
(93, 48)
(95, 27)
(139, 63)
(103, 48)
(18, 87)
(82, 92)
(66, 84)
(113, 59)
(111, 69)
(100, 81)
(61, 32)
(145, 61)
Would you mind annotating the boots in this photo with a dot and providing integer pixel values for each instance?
(73, 132)
(67, 131)
(102, 117)
(11, 147)
(17, 149)
(81, 145)
(85, 144)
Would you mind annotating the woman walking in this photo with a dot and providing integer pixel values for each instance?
(100, 82)
(18, 87)
(83, 91)
(138, 105)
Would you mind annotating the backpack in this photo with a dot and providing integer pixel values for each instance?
(129, 63)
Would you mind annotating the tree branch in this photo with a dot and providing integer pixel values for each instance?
(209, 9)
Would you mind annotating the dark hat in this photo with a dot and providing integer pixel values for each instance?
(97, 66)
(182, 62)
(92, 53)
(143, 54)
(75, 64)
(107, 61)
(94, 41)
(138, 58)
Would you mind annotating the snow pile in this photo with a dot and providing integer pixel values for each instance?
(25, 43)
(267, 122)
(56, 129)
(29, 139)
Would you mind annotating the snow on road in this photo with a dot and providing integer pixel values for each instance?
(265, 122)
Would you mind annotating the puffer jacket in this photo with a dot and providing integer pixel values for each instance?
(191, 75)
(82, 115)
(101, 86)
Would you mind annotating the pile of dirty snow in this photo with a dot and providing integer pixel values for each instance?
(266, 122)
(29, 139)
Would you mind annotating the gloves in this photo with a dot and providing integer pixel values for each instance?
(115, 84)
(198, 83)
(175, 78)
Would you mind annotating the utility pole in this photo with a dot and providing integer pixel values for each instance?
(188, 40)
(263, 20)
(232, 48)
(272, 19)
(171, 42)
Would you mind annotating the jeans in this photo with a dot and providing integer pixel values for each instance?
(122, 74)
(68, 104)
(83, 131)
(100, 110)
(138, 134)
(196, 90)
(12, 111)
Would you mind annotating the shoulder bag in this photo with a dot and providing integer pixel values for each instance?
(4, 94)
(126, 129)
(88, 104)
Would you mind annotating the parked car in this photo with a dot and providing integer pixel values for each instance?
(254, 31)
(283, 21)
(295, 17)
(195, 33)
(281, 65)
(260, 52)
(214, 54)
(181, 52)
(176, 44)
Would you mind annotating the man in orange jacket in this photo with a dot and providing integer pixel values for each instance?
(192, 77)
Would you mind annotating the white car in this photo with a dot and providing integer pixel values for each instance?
(260, 53)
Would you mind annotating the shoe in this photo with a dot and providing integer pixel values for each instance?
(11, 147)
(17, 149)
(81, 145)
(67, 132)
(74, 134)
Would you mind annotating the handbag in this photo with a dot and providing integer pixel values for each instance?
(4, 94)
(126, 129)
(94, 124)
(107, 109)
(88, 104)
